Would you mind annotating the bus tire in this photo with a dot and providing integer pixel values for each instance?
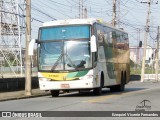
(120, 87)
(98, 91)
(55, 93)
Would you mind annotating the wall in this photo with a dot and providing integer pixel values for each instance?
(12, 84)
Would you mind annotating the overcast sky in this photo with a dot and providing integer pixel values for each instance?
(131, 15)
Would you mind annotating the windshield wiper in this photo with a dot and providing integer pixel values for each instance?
(56, 63)
(59, 58)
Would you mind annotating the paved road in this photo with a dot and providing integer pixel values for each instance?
(136, 94)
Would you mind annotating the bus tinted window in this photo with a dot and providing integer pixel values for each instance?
(64, 32)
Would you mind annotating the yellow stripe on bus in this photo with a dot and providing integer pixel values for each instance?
(57, 76)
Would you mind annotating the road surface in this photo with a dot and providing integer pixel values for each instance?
(135, 95)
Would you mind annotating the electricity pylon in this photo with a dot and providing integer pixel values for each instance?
(12, 32)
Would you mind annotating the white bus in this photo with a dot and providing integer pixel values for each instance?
(82, 54)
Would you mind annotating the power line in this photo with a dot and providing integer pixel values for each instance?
(22, 16)
(43, 13)
(60, 3)
(53, 8)
(37, 20)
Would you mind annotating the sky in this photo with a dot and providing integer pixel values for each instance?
(131, 15)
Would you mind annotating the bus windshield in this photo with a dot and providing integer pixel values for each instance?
(70, 54)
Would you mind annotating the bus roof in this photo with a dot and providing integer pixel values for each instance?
(90, 21)
(70, 22)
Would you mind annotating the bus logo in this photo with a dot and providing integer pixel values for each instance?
(143, 106)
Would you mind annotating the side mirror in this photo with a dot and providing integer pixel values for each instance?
(93, 44)
(31, 47)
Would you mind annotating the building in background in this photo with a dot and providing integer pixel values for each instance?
(136, 54)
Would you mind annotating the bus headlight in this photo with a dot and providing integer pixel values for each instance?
(89, 76)
(44, 79)
(86, 77)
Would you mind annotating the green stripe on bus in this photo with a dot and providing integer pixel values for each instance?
(82, 73)
(71, 75)
(77, 74)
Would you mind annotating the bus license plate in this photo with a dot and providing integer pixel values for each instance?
(65, 86)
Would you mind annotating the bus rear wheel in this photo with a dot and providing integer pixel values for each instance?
(120, 87)
(117, 88)
(55, 93)
(97, 91)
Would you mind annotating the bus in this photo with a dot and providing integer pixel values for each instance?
(81, 54)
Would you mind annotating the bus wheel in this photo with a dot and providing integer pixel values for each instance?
(98, 91)
(55, 93)
(121, 87)
(117, 88)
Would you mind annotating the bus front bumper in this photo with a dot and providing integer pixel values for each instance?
(67, 85)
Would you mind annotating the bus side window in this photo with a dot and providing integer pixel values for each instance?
(95, 59)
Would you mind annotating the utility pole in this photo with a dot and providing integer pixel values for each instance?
(118, 7)
(157, 54)
(82, 10)
(27, 57)
(145, 40)
(139, 38)
(114, 13)
(137, 51)
(85, 13)
(79, 9)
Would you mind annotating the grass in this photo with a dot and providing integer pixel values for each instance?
(137, 71)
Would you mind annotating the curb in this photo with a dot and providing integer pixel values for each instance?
(23, 97)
